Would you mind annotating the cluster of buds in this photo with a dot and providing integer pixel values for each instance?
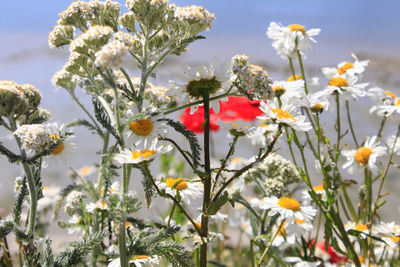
(35, 138)
(253, 81)
(61, 35)
(111, 54)
(82, 14)
(18, 99)
(196, 16)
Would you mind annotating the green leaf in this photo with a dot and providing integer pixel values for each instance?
(218, 203)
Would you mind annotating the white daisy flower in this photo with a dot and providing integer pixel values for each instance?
(144, 129)
(316, 102)
(216, 79)
(364, 157)
(263, 134)
(382, 98)
(142, 153)
(284, 38)
(288, 90)
(138, 261)
(288, 208)
(99, 205)
(289, 232)
(286, 115)
(346, 86)
(183, 188)
(390, 233)
(65, 151)
(390, 142)
(351, 68)
(236, 128)
(318, 189)
(237, 163)
(359, 227)
(50, 196)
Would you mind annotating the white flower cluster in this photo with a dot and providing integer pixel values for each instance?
(252, 78)
(130, 4)
(75, 10)
(111, 54)
(126, 38)
(92, 35)
(14, 88)
(61, 35)
(195, 13)
(35, 138)
(277, 171)
(157, 95)
(72, 202)
(64, 79)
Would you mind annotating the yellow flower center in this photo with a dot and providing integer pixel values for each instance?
(236, 159)
(297, 28)
(319, 188)
(295, 78)
(317, 108)
(85, 171)
(390, 94)
(338, 82)
(397, 103)
(282, 231)
(277, 88)
(361, 259)
(143, 153)
(140, 257)
(298, 221)
(362, 155)
(128, 224)
(178, 183)
(59, 148)
(283, 114)
(345, 67)
(141, 127)
(289, 203)
(264, 125)
(361, 227)
(395, 238)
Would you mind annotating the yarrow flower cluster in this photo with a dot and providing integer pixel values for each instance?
(35, 138)
(111, 54)
(253, 80)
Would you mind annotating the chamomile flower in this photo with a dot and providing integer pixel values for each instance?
(358, 227)
(287, 39)
(390, 233)
(137, 260)
(98, 205)
(317, 102)
(263, 134)
(289, 232)
(65, 151)
(384, 100)
(291, 90)
(364, 156)
(142, 153)
(86, 171)
(288, 208)
(318, 189)
(285, 115)
(183, 188)
(213, 79)
(145, 129)
(390, 142)
(346, 86)
(236, 128)
(351, 68)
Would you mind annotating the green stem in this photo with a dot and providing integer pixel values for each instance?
(302, 70)
(123, 253)
(207, 180)
(31, 184)
(351, 124)
(269, 245)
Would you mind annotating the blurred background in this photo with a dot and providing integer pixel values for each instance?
(368, 28)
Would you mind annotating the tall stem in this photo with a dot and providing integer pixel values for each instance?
(31, 184)
(123, 254)
(207, 180)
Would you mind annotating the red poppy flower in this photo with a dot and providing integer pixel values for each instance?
(334, 257)
(236, 108)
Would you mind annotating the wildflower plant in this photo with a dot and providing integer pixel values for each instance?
(271, 203)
